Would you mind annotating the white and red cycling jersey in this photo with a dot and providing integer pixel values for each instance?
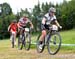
(22, 22)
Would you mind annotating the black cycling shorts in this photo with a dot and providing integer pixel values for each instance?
(44, 27)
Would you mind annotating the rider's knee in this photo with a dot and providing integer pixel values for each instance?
(44, 32)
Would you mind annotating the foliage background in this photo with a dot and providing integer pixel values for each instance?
(65, 16)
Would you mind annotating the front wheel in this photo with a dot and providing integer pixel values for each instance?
(27, 41)
(38, 45)
(21, 42)
(12, 41)
(54, 43)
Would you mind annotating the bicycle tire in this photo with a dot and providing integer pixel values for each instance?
(27, 41)
(37, 45)
(20, 43)
(48, 46)
(12, 41)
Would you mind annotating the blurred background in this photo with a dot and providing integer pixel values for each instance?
(10, 10)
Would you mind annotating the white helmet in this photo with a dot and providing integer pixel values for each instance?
(52, 9)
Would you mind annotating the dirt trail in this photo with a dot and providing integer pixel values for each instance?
(32, 54)
(13, 53)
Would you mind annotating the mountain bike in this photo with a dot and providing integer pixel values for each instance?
(52, 40)
(25, 40)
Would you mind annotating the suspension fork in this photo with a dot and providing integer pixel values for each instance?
(48, 37)
(23, 38)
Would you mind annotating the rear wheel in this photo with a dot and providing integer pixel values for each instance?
(54, 43)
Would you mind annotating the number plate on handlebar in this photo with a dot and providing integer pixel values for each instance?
(27, 29)
(54, 27)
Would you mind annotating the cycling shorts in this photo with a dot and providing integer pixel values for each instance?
(44, 27)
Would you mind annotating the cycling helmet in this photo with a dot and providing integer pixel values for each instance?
(52, 9)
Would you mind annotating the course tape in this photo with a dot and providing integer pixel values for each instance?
(61, 44)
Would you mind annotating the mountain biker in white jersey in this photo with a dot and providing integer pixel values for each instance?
(46, 21)
(23, 23)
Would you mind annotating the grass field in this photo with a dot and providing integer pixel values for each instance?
(68, 37)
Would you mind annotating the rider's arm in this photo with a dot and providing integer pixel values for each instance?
(18, 24)
(9, 28)
(44, 21)
(31, 25)
(57, 24)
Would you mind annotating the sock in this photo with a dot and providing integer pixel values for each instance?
(40, 42)
(20, 36)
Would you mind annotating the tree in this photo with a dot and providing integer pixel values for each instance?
(6, 9)
(36, 12)
(6, 17)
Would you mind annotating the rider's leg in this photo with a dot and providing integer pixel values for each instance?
(15, 38)
(20, 32)
(10, 36)
(42, 36)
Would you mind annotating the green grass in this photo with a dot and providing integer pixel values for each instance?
(68, 37)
